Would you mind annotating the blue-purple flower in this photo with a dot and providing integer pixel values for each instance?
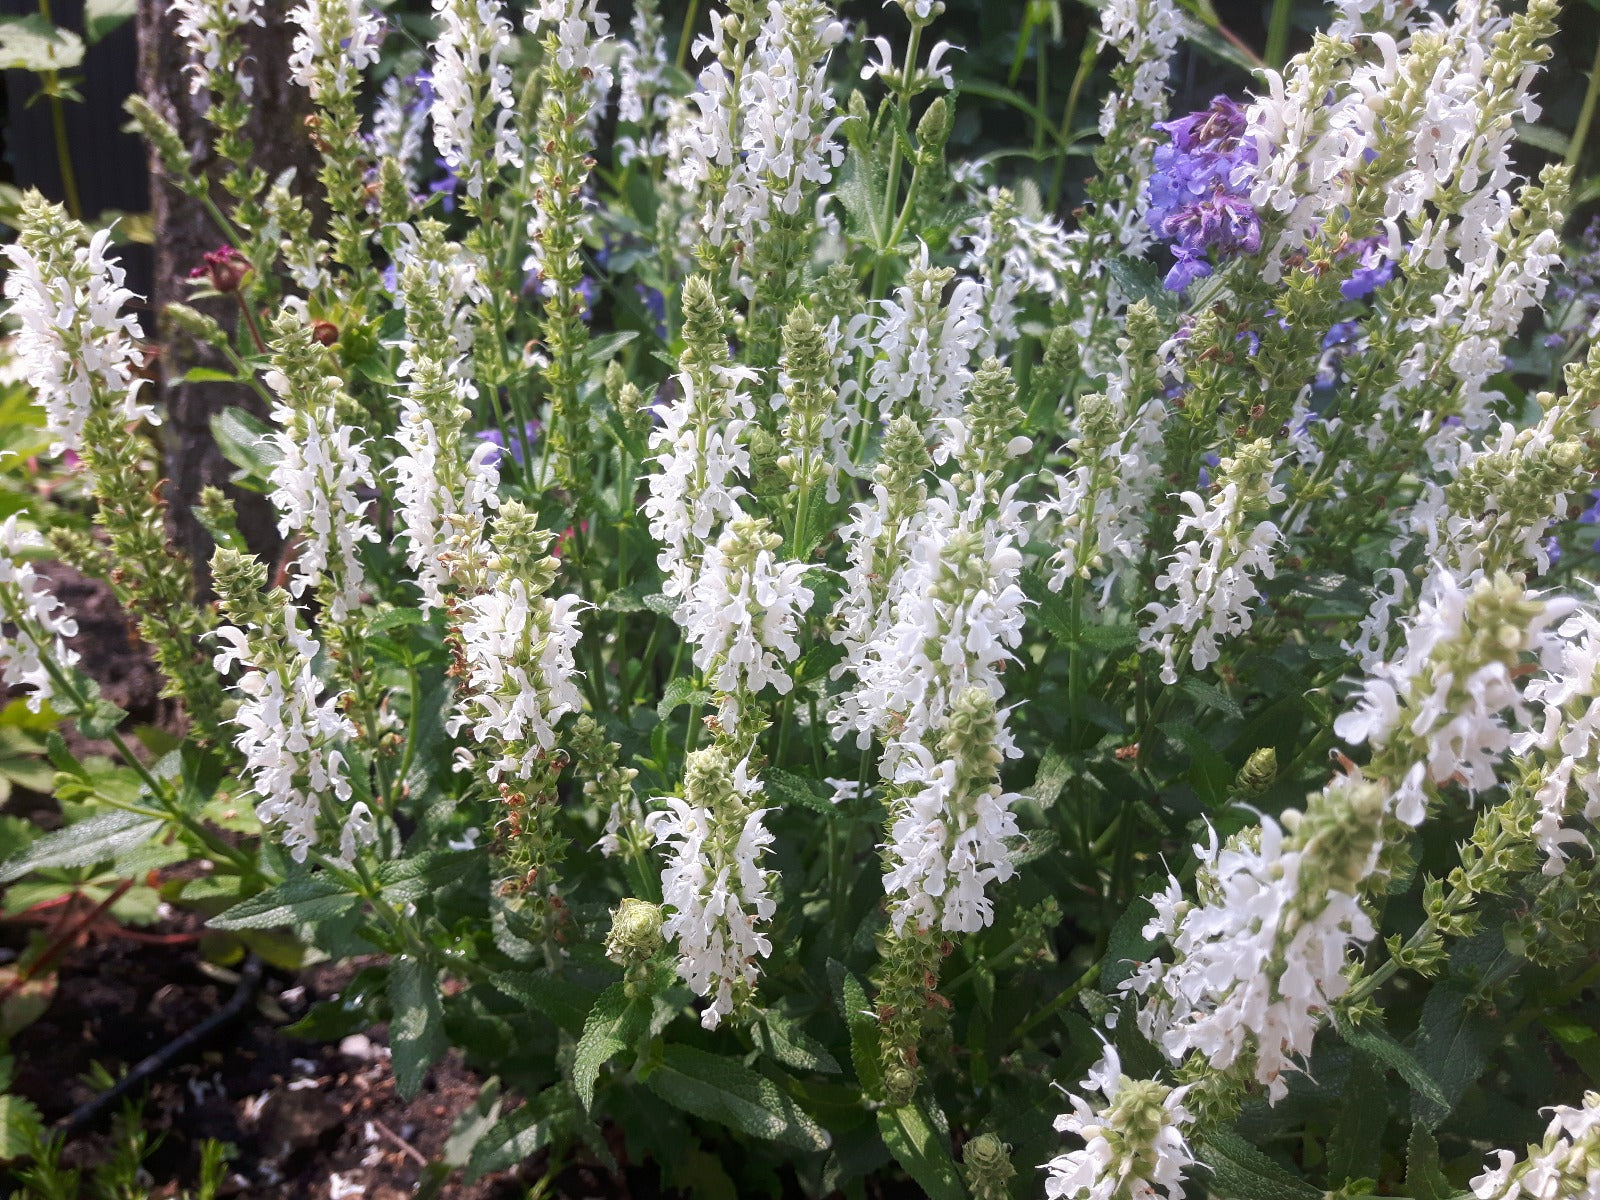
(1198, 194)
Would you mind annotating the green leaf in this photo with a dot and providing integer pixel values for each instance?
(1450, 1048)
(208, 375)
(98, 839)
(516, 1137)
(1377, 1043)
(862, 1022)
(101, 719)
(241, 436)
(100, 17)
(728, 1092)
(32, 43)
(791, 1045)
(21, 1127)
(476, 1120)
(303, 900)
(405, 880)
(1241, 1172)
(1355, 1145)
(1055, 769)
(563, 1000)
(791, 791)
(602, 350)
(416, 1030)
(918, 1147)
(1210, 696)
(662, 606)
(614, 1023)
(680, 690)
(1425, 1179)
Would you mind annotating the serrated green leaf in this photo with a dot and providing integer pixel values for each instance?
(726, 1091)
(862, 1022)
(918, 1147)
(21, 1126)
(563, 1000)
(1241, 1172)
(604, 348)
(1355, 1145)
(1210, 696)
(303, 900)
(679, 691)
(416, 1030)
(476, 1120)
(241, 436)
(1425, 1178)
(1055, 769)
(405, 880)
(614, 1023)
(1450, 1048)
(84, 843)
(790, 790)
(101, 719)
(661, 605)
(515, 1138)
(1377, 1043)
(791, 1045)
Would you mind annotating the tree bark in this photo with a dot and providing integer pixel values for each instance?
(183, 234)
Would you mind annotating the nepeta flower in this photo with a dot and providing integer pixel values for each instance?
(473, 102)
(1199, 191)
(42, 625)
(742, 614)
(713, 879)
(1133, 1135)
(76, 346)
(1565, 1164)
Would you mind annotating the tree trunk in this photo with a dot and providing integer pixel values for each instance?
(183, 234)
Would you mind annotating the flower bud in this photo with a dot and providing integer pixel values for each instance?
(635, 936)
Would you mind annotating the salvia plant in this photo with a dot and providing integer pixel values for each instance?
(793, 654)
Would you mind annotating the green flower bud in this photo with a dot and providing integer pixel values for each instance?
(635, 936)
(986, 1164)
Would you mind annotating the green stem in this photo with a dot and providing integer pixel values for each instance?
(687, 36)
(1060, 1001)
(1086, 62)
(1580, 131)
(1278, 33)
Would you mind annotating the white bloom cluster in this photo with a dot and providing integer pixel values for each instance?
(698, 446)
(1211, 575)
(1133, 1134)
(1015, 255)
(955, 618)
(580, 30)
(950, 824)
(764, 133)
(517, 647)
(212, 27)
(713, 879)
(399, 120)
(336, 42)
(742, 615)
(644, 97)
(925, 347)
(1566, 732)
(473, 104)
(1257, 961)
(1097, 515)
(289, 734)
(1145, 34)
(318, 481)
(1565, 1164)
(42, 625)
(1442, 703)
(76, 345)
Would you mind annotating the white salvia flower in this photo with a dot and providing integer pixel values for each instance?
(1442, 702)
(956, 619)
(926, 347)
(473, 101)
(1098, 512)
(742, 615)
(1565, 1166)
(713, 880)
(318, 481)
(950, 823)
(399, 120)
(698, 449)
(1371, 645)
(644, 98)
(1145, 34)
(933, 73)
(336, 42)
(701, 149)
(212, 27)
(457, 272)
(1567, 734)
(1133, 1135)
(289, 734)
(1211, 575)
(442, 494)
(1015, 255)
(1262, 956)
(42, 625)
(580, 28)
(75, 343)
